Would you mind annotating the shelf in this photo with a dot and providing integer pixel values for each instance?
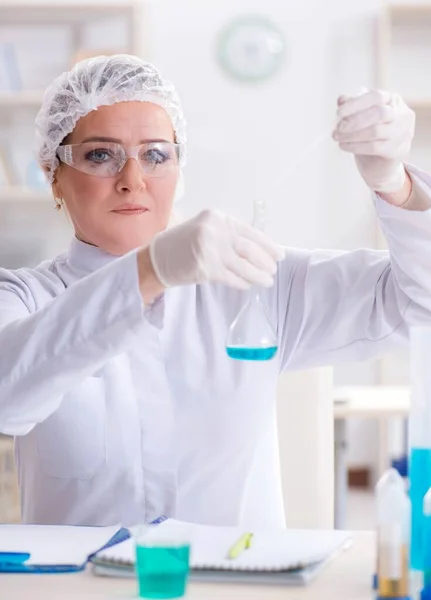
(404, 15)
(19, 12)
(418, 103)
(18, 193)
(410, 9)
(12, 100)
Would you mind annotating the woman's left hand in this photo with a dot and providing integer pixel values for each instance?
(378, 128)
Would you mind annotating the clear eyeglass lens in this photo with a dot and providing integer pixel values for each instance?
(106, 159)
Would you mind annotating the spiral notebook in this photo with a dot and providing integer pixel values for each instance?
(52, 549)
(275, 556)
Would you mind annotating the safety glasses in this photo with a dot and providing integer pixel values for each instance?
(106, 159)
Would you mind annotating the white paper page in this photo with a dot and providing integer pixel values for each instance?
(270, 550)
(52, 545)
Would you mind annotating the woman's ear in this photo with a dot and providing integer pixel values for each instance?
(56, 190)
(55, 186)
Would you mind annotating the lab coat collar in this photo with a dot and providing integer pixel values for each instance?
(85, 258)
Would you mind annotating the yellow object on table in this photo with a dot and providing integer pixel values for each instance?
(242, 544)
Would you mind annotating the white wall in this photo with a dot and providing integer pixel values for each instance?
(229, 123)
(243, 137)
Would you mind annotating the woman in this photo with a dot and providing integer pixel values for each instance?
(114, 377)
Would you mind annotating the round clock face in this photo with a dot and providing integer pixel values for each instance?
(251, 49)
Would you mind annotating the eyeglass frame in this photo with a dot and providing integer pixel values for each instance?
(129, 152)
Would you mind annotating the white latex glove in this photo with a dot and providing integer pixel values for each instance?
(214, 247)
(378, 128)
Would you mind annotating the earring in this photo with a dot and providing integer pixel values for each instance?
(58, 203)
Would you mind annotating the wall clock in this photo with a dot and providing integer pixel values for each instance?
(251, 48)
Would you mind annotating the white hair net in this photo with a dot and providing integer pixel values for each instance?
(101, 81)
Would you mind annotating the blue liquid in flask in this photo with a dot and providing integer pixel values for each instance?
(241, 353)
(420, 482)
(251, 336)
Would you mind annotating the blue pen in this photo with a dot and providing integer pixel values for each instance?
(159, 520)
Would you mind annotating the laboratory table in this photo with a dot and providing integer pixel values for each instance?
(347, 577)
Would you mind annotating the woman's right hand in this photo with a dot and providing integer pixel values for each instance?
(213, 247)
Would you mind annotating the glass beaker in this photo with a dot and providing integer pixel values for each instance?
(162, 563)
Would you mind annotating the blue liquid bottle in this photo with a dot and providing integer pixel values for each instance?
(419, 442)
(426, 558)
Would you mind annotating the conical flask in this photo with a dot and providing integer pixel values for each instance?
(251, 335)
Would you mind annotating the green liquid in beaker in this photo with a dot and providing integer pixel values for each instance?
(162, 571)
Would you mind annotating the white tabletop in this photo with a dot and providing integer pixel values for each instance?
(347, 577)
(371, 401)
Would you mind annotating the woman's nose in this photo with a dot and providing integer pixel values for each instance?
(132, 178)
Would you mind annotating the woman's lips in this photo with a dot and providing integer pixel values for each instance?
(130, 209)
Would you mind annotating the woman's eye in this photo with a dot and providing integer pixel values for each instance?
(155, 156)
(98, 155)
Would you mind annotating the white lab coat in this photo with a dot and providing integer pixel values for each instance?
(122, 413)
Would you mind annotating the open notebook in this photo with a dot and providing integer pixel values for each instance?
(278, 556)
(50, 548)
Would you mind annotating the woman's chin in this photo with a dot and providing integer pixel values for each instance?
(119, 243)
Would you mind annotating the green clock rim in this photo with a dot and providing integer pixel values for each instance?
(226, 33)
